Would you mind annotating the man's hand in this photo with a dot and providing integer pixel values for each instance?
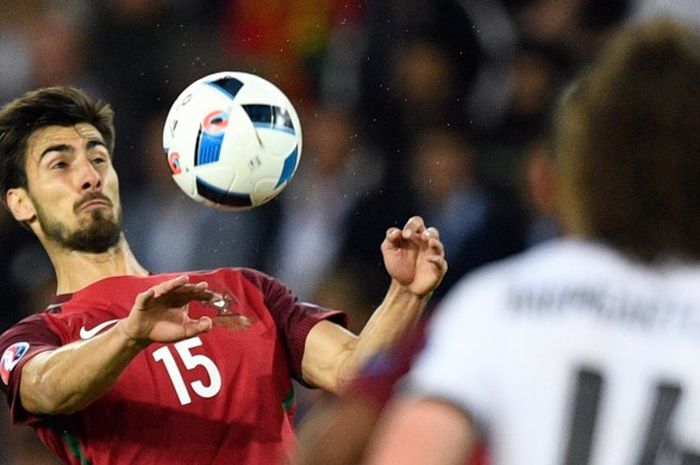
(415, 257)
(160, 314)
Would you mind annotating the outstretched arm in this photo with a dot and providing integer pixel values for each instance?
(414, 258)
(71, 377)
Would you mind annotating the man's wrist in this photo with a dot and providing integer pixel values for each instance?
(131, 341)
(401, 291)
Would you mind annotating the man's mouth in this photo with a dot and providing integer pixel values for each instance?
(95, 204)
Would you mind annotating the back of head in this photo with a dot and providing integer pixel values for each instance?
(51, 106)
(629, 145)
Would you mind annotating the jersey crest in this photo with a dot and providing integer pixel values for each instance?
(226, 316)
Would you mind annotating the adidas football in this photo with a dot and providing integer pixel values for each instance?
(232, 140)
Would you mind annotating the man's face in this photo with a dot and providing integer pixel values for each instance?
(73, 188)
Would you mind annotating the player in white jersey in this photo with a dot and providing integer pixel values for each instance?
(585, 350)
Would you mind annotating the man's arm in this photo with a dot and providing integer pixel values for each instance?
(333, 355)
(353, 415)
(422, 432)
(70, 378)
(414, 258)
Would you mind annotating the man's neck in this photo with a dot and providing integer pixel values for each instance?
(76, 270)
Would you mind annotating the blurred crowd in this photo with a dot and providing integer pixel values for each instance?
(432, 107)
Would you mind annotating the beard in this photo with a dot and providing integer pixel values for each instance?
(95, 234)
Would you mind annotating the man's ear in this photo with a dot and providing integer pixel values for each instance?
(20, 204)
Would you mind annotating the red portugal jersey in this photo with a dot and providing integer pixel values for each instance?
(224, 397)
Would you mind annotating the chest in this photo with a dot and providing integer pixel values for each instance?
(228, 369)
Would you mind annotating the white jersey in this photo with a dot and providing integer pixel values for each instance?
(572, 354)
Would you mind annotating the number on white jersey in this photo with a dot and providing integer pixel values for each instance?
(589, 388)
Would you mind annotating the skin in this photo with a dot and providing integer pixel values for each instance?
(69, 186)
(351, 418)
(414, 258)
(72, 197)
(422, 432)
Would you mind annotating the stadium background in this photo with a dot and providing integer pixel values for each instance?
(430, 107)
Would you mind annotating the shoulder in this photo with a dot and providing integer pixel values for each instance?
(29, 336)
(258, 278)
(247, 281)
(26, 325)
(554, 258)
(489, 287)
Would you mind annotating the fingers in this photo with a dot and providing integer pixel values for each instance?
(393, 235)
(170, 285)
(180, 285)
(415, 231)
(431, 233)
(436, 248)
(164, 288)
(201, 325)
(175, 293)
(412, 230)
(438, 259)
(415, 226)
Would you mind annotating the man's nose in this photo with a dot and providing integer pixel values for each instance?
(90, 178)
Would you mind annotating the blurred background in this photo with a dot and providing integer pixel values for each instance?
(432, 107)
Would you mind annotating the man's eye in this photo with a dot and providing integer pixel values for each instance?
(59, 165)
(99, 160)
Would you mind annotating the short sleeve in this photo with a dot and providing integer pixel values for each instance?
(456, 362)
(18, 345)
(294, 319)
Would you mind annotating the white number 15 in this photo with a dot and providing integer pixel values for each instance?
(190, 360)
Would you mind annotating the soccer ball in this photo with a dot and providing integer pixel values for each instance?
(232, 140)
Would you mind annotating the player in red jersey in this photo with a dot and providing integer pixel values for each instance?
(128, 367)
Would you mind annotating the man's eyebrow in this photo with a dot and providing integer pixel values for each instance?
(92, 143)
(56, 148)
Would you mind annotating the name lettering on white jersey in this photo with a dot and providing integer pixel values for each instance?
(631, 307)
(605, 351)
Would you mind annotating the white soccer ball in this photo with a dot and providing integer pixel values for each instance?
(232, 140)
